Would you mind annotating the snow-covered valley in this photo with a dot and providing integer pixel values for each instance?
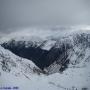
(65, 58)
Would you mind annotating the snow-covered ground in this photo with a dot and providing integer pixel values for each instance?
(77, 78)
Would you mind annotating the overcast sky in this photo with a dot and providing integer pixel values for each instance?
(25, 13)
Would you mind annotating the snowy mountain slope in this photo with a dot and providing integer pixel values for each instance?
(53, 48)
(75, 53)
(35, 50)
(16, 73)
(72, 55)
(15, 65)
(36, 46)
(73, 78)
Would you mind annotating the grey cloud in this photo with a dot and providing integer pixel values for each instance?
(25, 13)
